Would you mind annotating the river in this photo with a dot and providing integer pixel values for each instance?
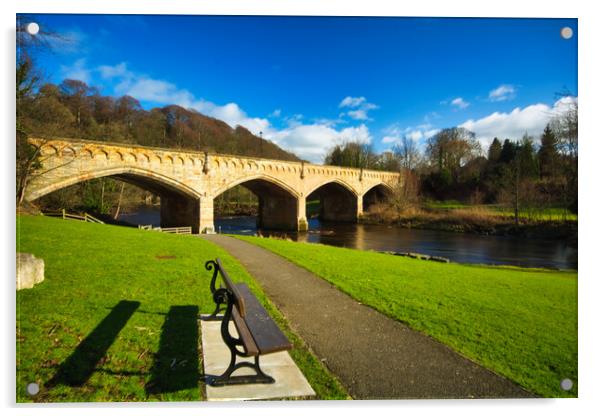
(458, 247)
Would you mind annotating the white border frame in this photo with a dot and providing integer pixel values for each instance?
(590, 69)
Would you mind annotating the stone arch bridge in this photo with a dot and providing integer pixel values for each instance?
(188, 182)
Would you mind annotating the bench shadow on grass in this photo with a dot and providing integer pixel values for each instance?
(176, 364)
(80, 365)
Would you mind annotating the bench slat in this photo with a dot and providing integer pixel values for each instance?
(245, 335)
(267, 335)
(238, 299)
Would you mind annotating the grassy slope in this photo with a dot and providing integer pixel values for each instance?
(521, 323)
(535, 214)
(90, 268)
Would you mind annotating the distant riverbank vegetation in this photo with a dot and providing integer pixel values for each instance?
(479, 219)
(527, 186)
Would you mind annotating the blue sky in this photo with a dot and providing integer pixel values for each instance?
(308, 83)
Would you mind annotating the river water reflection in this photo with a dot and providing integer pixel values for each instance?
(458, 247)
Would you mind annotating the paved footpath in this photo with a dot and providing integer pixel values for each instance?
(375, 357)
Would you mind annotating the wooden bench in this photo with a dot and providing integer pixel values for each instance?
(258, 334)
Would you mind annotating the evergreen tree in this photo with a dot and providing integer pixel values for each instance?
(495, 151)
(527, 158)
(508, 152)
(548, 153)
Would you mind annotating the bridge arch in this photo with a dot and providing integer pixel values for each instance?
(278, 203)
(260, 177)
(117, 171)
(375, 195)
(180, 204)
(337, 181)
(338, 201)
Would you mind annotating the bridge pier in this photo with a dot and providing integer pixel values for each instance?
(206, 224)
(276, 212)
(180, 211)
(360, 207)
(301, 216)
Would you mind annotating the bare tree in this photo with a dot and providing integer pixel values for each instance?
(565, 126)
(408, 153)
(27, 80)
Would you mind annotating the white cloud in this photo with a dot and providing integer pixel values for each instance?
(394, 133)
(77, 71)
(66, 42)
(352, 102)
(502, 93)
(157, 91)
(232, 114)
(390, 139)
(459, 102)
(433, 115)
(359, 108)
(359, 134)
(313, 141)
(309, 141)
(119, 70)
(358, 114)
(513, 125)
(294, 120)
(330, 122)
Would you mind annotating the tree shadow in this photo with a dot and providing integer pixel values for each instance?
(80, 365)
(176, 364)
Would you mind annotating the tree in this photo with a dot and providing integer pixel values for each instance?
(508, 152)
(352, 154)
(150, 128)
(509, 191)
(495, 151)
(548, 153)
(439, 183)
(127, 110)
(388, 161)
(451, 149)
(407, 152)
(75, 94)
(49, 113)
(517, 173)
(27, 156)
(103, 108)
(527, 158)
(566, 129)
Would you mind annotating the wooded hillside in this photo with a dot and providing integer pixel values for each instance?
(75, 110)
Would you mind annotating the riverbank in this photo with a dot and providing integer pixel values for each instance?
(480, 220)
(521, 323)
(94, 273)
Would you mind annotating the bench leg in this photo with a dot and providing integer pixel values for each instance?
(226, 379)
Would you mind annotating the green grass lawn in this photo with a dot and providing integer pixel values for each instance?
(520, 323)
(116, 316)
(449, 204)
(538, 214)
(532, 214)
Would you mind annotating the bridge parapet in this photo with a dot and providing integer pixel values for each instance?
(190, 180)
